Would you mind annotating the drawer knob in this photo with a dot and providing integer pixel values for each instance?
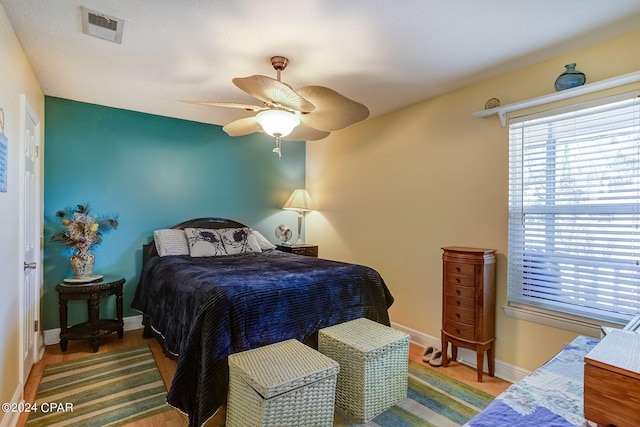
(458, 291)
(458, 315)
(458, 301)
(458, 279)
(458, 269)
(457, 331)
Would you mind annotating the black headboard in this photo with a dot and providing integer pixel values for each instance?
(149, 250)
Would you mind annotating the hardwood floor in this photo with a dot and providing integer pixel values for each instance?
(167, 367)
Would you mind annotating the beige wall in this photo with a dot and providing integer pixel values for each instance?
(393, 190)
(16, 78)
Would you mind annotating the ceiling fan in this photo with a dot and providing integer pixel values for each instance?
(310, 113)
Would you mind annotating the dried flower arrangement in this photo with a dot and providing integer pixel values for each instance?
(81, 229)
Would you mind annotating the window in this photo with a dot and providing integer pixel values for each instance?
(574, 210)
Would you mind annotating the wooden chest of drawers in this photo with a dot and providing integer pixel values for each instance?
(468, 304)
(612, 380)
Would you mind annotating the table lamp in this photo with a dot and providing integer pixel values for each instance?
(299, 201)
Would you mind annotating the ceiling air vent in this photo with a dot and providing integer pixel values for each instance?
(103, 26)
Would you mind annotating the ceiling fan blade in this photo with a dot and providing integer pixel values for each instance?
(333, 111)
(247, 107)
(304, 132)
(242, 127)
(273, 92)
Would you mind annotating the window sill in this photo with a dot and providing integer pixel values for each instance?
(581, 325)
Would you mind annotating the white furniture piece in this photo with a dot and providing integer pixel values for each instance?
(282, 384)
(374, 366)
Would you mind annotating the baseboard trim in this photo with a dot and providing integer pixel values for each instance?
(52, 336)
(10, 419)
(503, 370)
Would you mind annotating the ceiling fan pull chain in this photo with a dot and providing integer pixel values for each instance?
(276, 149)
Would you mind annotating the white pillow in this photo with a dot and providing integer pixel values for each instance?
(204, 242)
(239, 240)
(171, 242)
(262, 241)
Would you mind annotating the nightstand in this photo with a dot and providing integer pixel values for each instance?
(304, 249)
(95, 327)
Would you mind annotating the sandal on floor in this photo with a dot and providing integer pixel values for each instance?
(428, 353)
(436, 359)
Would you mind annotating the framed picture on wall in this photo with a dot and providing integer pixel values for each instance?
(4, 142)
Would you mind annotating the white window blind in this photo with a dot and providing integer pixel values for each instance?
(574, 210)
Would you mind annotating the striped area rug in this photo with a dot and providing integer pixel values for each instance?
(107, 389)
(433, 399)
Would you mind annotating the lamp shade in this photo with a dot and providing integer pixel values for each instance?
(277, 122)
(300, 201)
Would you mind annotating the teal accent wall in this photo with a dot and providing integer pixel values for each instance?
(153, 172)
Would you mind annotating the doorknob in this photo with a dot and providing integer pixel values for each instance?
(31, 265)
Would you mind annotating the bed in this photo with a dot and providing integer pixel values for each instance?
(226, 295)
(552, 395)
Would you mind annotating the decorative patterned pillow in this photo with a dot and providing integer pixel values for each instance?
(262, 241)
(204, 242)
(239, 240)
(171, 242)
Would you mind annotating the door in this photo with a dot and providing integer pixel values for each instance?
(30, 233)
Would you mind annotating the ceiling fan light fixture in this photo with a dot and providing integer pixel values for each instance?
(277, 122)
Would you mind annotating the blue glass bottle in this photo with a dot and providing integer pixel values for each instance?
(570, 78)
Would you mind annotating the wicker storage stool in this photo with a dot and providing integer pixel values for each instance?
(374, 366)
(283, 384)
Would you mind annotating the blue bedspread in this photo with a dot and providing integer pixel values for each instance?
(550, 396)
(208, 308)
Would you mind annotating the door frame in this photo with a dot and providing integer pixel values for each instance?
(28, 113)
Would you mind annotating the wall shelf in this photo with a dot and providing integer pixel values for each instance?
(502, 110)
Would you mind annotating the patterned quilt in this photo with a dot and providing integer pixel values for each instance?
(550, 396)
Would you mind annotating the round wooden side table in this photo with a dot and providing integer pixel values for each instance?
(95, 327)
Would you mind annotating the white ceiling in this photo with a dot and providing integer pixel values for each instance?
(386, 54)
